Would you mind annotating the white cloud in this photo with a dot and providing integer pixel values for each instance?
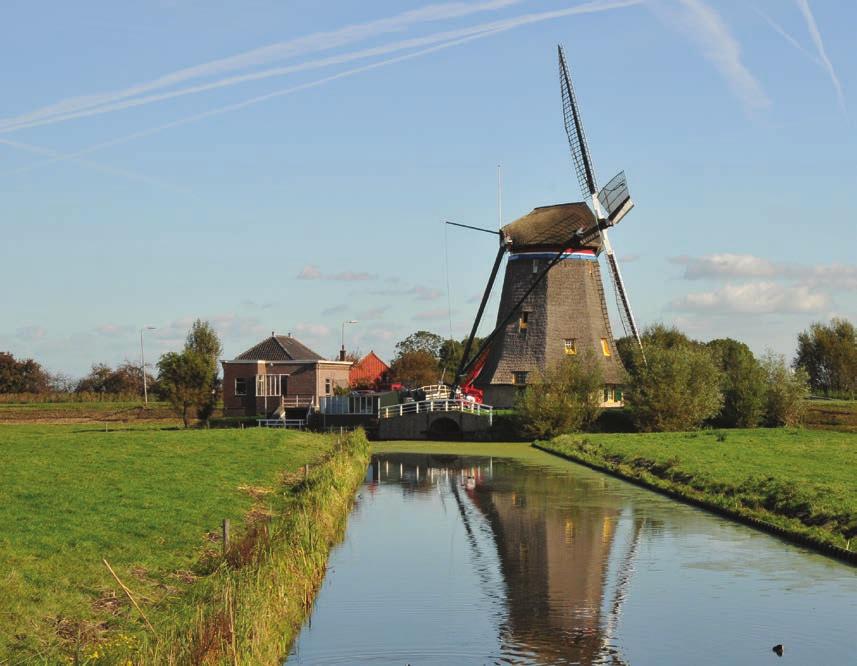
(312, 272)
(31, 333)
(431, 315)
(372, 313)
(316, 330)
(755, 298)
(705, 27)
(114, 330)
(725, 265)
(728, 266)
(334, 309)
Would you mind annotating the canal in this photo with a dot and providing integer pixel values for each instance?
(501, 554)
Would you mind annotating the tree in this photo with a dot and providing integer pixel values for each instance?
(415, 368)
(786, 391)
(677, 388)
(450, 354)
(423, 341)
(25, 376)
(829, 356)
(185, 379)
(203, 340)
(124, 379)
(564, 400)
(742, 384)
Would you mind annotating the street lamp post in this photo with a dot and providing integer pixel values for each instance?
(143, 365)
(342, 339)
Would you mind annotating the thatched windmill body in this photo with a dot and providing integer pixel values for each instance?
(552, 303)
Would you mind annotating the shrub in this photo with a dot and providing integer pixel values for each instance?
(677, 388)
(564, 400)
(785, 391)
(742, 383)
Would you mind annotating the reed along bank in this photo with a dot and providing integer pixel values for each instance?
(251, 606)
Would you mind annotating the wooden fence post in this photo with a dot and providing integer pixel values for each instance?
(225, 535)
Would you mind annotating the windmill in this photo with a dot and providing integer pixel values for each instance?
(552, 302)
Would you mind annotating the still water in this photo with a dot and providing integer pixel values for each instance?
(515, 557)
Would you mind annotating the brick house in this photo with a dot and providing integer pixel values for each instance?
(279, 371)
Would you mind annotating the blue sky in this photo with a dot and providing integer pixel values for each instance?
(288, 165)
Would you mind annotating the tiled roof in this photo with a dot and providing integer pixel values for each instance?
(279, 348)
(368, 369)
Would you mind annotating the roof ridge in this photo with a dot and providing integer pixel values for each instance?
(285, 351)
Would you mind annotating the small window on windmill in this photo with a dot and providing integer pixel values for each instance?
(570, 346)
(519, 378)
(605, 347)
(523, 321)
(535, 266)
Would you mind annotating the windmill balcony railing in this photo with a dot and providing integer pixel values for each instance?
(423, 406)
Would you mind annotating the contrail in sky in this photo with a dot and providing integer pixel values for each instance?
(319, 41)
(60, 157)
(804, 7)
(495, 28)
(419, 42)
(789, 38)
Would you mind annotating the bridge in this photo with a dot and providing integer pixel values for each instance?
(434, 419)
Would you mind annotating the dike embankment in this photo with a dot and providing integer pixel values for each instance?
(250, 609)
(720, 499)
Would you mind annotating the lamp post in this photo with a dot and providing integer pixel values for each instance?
(143, 365)
(342, 339)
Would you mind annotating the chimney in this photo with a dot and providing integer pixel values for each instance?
(342, 354)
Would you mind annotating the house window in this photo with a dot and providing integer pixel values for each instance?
(523, 321)
(605, 347)
(519, 378)
(271, 385)
(328, 386)
(618, 395)
(606, 394)
(240, 386)
(570, 346)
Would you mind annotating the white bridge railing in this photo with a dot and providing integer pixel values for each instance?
(437, 406)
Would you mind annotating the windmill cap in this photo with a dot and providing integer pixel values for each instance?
(550, 226)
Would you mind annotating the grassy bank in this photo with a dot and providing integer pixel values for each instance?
(149, 501)
(831, 415)
(110, 411)
(802, 482)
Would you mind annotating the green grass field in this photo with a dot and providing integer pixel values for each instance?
(800, 479)
(82, 412)
(150, 501)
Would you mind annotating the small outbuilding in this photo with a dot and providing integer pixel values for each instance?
(279, 372)
(370, 372)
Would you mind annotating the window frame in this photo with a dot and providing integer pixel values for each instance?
(605, 347)
(570, 346)
(520, 377)
(242, 393)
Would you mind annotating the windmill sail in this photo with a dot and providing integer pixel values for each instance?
(574, 130)
(615, 198)
(613, 192)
